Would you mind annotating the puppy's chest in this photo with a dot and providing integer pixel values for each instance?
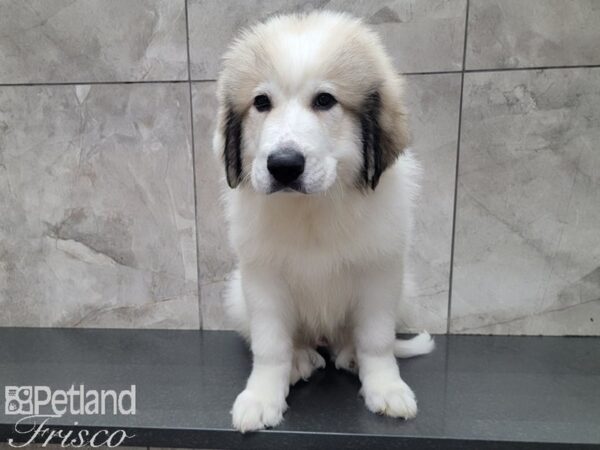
(315, 243)
(323, 299)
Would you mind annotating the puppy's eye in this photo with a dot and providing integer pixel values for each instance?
(262, 103)
(324, 101)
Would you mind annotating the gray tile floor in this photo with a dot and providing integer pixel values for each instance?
(100, 224)
(474, 392)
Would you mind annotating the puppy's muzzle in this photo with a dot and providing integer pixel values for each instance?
(286, 165)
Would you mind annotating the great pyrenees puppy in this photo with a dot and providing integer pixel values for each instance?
(312, 132)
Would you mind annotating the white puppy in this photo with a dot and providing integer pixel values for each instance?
(312, 132)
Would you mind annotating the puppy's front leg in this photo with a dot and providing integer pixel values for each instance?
(262, 403)
(383, 389)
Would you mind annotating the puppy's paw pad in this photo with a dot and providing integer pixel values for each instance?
(253, 412)
(305, 362)
(394, 399)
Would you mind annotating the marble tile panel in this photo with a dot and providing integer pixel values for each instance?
(215, 257)
(527, 249)
(97, 223)
(92, 40)
(532, 33)
(433, 104)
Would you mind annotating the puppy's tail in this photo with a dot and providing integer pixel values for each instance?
(421, 344)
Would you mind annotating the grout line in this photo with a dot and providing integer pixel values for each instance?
(438, 72)
(75, 83)
(460, 108)
(515, 69)
(189, 81)
(464, 55)
(210, 80)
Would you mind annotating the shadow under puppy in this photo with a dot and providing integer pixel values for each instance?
(312, 132)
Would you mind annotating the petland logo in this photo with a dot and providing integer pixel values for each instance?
(40, 404)
(28, 400)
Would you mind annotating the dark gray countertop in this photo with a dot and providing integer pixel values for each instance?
(474, 392)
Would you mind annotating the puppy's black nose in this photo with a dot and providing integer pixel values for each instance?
(286, 165)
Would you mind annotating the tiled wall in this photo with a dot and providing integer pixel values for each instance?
(100, 156)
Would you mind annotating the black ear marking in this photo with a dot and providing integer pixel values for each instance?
(371, 133)
(232, 153)
(382, 140)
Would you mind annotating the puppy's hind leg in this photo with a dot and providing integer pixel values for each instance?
(305, 361)
(344, 357)
(421, 344)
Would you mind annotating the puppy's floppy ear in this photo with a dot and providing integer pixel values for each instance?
(230, 127)
(384, 136)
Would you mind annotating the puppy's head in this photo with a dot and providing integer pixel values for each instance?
(307, 102)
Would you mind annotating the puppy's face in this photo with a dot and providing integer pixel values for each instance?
(299, 137)
(308, 102)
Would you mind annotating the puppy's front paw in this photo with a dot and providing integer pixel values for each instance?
(253, 411)
(391, 398)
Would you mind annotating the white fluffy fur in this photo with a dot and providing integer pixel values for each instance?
(327, 266)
